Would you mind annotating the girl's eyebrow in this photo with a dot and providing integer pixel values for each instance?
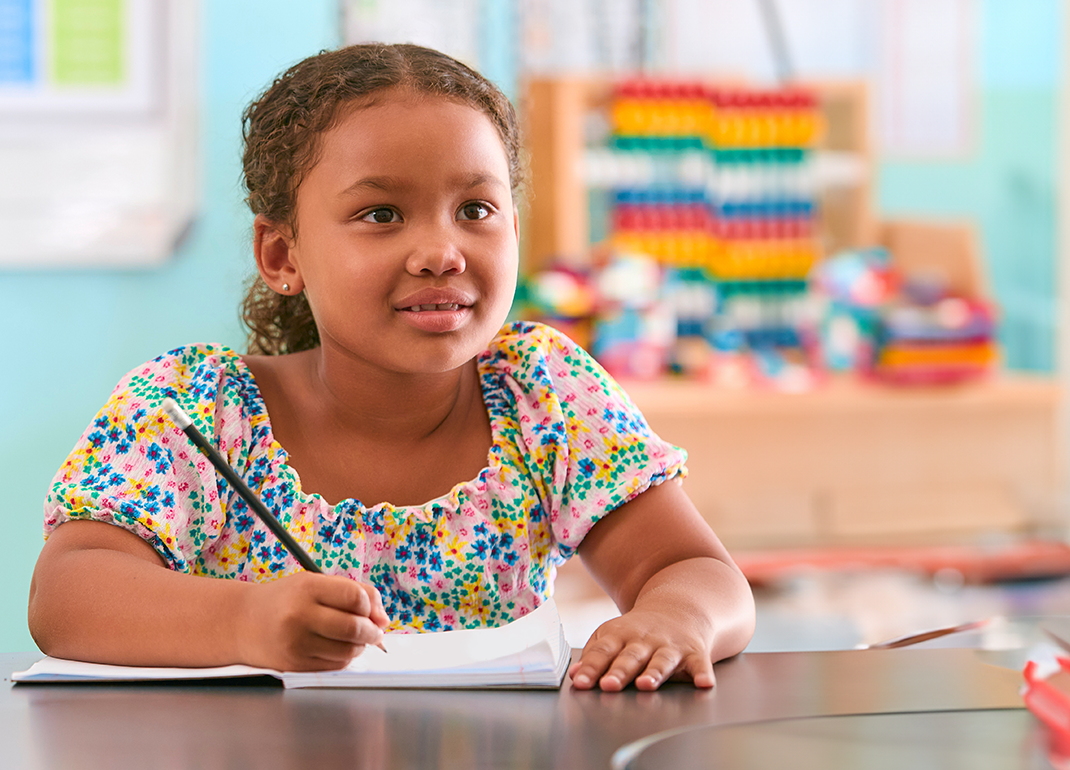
(393, 184)
(382, 183)
(477, 180)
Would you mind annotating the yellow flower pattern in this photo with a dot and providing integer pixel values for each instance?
(568, 447)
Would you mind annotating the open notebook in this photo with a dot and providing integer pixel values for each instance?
(529, 652)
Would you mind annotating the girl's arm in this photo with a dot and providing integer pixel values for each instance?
(685, 603)
(100, 593)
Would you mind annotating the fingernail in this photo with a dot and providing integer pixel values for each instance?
(582, 680)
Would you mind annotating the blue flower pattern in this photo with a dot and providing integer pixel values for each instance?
(568, 447)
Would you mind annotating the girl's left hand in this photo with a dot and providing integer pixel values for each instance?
(685, 603)
(647, 646)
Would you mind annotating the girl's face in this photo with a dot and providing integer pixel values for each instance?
(407, 237)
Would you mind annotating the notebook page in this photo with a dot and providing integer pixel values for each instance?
(463, 649)
(59, 669)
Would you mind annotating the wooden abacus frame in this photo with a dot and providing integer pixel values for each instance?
(554, 112)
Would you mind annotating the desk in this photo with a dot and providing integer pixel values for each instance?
(978, 740)
(230, 725)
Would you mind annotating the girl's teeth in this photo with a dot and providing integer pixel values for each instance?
(418, 308)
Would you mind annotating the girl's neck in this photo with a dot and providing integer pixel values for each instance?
(353, 431)
(389, 405)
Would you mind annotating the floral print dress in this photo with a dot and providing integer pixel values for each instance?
(568, 446)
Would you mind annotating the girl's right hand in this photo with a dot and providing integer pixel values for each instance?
(309, 622)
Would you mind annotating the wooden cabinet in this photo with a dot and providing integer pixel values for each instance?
(860, 464)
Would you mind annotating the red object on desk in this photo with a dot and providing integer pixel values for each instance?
(1048, 698)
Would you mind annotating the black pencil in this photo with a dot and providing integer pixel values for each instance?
(185, 424)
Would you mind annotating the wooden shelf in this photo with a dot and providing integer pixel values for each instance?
(860, 464)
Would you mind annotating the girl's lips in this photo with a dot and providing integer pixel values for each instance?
(424, 308)
(442, 318)
(429, 299)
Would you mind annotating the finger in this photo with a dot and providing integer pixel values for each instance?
(330, 654)
(629, 662)
(321, 652)
(378, 612)
(341, 593)
(663, 664)
(342, 626)
(700, 667)
(594, 661)
(368, 632)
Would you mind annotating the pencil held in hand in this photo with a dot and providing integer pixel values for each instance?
(183, 422)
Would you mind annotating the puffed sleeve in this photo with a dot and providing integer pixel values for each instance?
(587, 446)
(133, 468)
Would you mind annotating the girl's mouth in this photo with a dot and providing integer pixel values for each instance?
(423, 308)
(436, 319)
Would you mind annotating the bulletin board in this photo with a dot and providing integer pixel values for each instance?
(98, 131)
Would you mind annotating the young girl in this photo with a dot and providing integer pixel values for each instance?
(436, 464)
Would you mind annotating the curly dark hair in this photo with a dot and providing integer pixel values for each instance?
(280, 132)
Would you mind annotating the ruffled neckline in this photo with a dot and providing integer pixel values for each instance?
(494, 400)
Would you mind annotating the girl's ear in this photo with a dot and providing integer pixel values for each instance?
(273, 247)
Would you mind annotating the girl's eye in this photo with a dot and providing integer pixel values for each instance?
(381, 216)
(474, 211)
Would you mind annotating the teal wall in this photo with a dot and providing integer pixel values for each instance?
(71, 335)
(1007, 184)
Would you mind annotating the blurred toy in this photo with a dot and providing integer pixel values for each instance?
(692, 299)
(852, 287)
(896, 329)
(563, 298)
(630, 280)
(949, 340)
(561, 291)
(633, 330)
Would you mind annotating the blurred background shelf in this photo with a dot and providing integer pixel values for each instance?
(856, 463)
(847, 463)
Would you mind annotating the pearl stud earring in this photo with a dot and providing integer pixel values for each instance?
(286, 287)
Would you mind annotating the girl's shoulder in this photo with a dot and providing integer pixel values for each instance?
(529, 366)
(183, 366)
(194, 355)
(537, 350)
(195, 375)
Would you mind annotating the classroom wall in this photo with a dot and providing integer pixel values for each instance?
(1007, 185)
(72, 334)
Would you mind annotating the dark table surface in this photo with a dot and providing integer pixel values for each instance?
(977, 740)
(232, 724)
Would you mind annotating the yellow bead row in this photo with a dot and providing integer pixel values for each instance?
(724, 260)
(720, 128)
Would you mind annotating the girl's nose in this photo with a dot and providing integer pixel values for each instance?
(435, 253)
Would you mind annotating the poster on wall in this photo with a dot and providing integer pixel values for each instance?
(98, 131)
